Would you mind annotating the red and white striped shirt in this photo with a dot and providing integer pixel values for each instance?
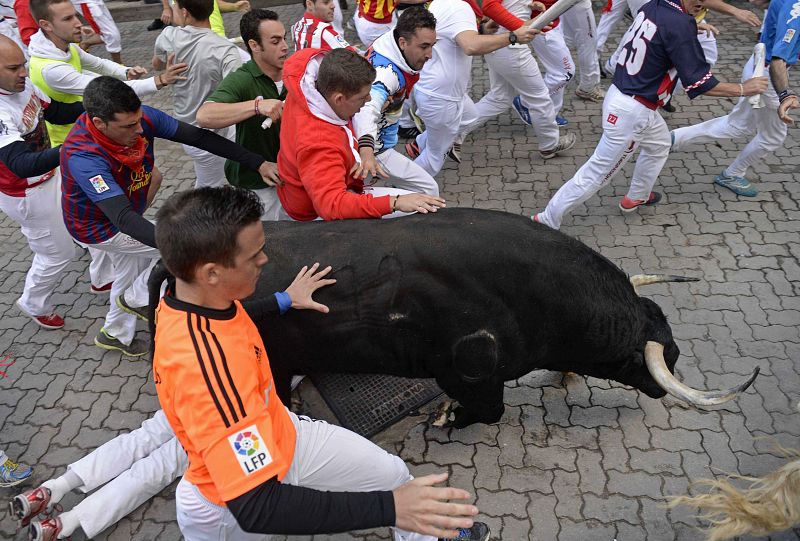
(313, 33)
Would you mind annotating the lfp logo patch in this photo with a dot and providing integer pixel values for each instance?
(612, 118)
(99, 184)
(250, 449)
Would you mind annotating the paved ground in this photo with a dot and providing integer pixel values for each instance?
(573, 459)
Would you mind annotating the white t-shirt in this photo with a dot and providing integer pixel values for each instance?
(21, 120)
(447, 74)
(210, 57)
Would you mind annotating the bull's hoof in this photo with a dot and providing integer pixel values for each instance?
(459, 417)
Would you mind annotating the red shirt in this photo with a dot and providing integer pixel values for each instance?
(317, 154)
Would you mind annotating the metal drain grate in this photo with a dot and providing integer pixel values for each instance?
(368, 403)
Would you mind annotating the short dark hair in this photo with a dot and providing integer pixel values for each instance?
(249, 23)
(200, 10)
(411, 20)
(40, 9)
(106, 96)
(200, 226)
(345, 71)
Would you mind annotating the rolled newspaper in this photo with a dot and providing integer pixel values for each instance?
(552, 13)
(266, 124)
(759, 54)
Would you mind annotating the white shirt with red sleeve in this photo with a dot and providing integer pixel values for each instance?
(313, 33)
(21, 120)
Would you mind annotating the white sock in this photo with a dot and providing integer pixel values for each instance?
(69, 523)
(61, 485)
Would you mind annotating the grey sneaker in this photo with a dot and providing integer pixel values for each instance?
(738, 185)
(565, 142)
(13, 473)
(596, 94)
(455, 152)
(137, 347)
(478, 532)
(139, 311)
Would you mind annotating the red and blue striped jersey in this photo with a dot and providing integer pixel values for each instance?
(660, 47)
(90, 173)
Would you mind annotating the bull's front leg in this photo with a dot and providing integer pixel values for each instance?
(473, 380)
(479, 403)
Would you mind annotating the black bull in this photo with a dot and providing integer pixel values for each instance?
(470, 297)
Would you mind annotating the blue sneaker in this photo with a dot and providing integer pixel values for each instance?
(523, 112)
(738, 185)
(12, 473)
(478, 532)
(561, 121)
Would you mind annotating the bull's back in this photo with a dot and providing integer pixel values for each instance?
(408, 288)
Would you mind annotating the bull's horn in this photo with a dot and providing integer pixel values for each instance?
(647, 279)
(654, 356)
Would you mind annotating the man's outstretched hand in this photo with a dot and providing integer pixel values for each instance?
(424, 508)
(307, 281)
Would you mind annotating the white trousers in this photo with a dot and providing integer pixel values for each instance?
(327, 457)
(380, 191)
(39, 215)
(514, 72)
(132, 263)
(273, 210)
(97, 15)
(369, 31)
(627, 124)
(128, 470)
(338, 18)
(209, 169)
(444, 120)
(609, 20)
(557, 63)
(742, 121)
(405, 174)
(101, 269)
(580, 32)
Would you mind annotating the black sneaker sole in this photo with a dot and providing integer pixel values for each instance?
(121, 349)
(129, 310)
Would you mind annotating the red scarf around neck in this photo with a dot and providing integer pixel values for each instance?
(131, 157)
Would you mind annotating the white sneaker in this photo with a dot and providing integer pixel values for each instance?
(595, 93)
(565, 142)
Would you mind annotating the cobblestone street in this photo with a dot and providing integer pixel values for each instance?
(574, 458)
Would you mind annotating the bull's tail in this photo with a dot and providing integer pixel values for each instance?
(157, 277)
(770, 504)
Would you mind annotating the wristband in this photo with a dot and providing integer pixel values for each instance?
(741, 90)
(284, 301)
(786, 94)
(258, 100)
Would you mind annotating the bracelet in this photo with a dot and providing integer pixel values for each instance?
(786, 94)
(741, 90)
(394, 204)
(258, 100)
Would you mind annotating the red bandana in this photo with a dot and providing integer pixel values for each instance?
(131, 157)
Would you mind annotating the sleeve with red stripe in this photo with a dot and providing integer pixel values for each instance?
(495, 10)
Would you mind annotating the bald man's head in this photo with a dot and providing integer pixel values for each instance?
(12, 66)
